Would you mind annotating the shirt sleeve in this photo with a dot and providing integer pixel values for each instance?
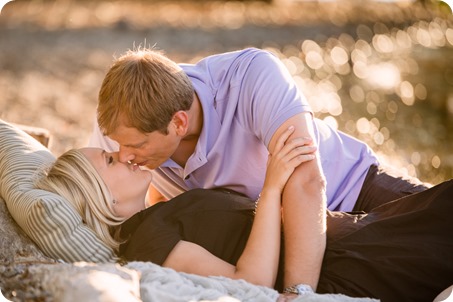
(269, 96)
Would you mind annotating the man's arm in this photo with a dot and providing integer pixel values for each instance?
(304, 206)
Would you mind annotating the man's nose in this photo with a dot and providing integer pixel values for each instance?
(125, 155)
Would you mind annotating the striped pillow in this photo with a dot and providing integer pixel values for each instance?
(45, 217)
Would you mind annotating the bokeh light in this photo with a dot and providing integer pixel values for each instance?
(379, 71)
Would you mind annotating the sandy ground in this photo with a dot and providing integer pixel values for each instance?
(380, 72)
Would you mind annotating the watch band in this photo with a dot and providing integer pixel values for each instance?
(298, 289)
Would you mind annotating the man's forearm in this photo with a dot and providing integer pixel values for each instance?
(304, 224)
(304, 205)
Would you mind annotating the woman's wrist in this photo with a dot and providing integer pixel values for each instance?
(270, 192)
(267, 194)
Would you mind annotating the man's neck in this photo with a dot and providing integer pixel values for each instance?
(195, 120)
(187, 145)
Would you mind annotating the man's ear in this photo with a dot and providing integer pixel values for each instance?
(180, 121)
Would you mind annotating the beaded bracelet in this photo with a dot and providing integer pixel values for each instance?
(256, 204)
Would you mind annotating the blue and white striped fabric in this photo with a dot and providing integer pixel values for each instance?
(45, 217)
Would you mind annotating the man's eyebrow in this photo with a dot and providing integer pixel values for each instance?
(134, 145)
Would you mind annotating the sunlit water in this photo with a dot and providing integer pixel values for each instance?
(391, 87)
(383, 75)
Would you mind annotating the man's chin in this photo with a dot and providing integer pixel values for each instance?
(148, 166)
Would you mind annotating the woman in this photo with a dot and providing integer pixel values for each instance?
(93, 175)
(402, 252)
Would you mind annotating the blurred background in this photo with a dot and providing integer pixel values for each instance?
(381, 71)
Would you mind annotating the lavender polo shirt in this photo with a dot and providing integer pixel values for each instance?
(246, 95)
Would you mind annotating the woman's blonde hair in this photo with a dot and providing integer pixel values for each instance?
(143, 89)
(73, 177)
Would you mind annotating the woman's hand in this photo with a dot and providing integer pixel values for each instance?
(288, 154)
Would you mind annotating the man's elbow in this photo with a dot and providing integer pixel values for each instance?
(310, 177)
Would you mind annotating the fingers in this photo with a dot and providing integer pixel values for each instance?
(292, 152)
(283, 137)
(297, 147)
(293, 158)
(300, 145)
(285, 145)
(301, 158)
(287, 155)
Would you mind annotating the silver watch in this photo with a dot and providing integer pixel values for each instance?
(298, 289)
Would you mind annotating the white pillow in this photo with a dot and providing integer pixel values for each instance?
(45, 217)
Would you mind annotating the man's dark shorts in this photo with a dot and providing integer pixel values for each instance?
(382, 185)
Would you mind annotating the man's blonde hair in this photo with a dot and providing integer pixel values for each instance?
(75, 179)
(143, 89)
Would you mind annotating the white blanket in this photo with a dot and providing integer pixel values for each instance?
(148, 282)
(163, 284)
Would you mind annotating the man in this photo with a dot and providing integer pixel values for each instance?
(214, 123)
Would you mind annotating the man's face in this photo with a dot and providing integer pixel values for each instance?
(145, 149)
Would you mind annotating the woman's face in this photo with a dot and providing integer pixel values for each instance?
(128, 184)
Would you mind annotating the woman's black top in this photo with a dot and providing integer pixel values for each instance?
(217, 220)
(401, 251)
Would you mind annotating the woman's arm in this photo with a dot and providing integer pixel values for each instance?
(258, 263)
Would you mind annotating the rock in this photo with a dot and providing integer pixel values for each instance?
(26, 274)
(16, 246)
